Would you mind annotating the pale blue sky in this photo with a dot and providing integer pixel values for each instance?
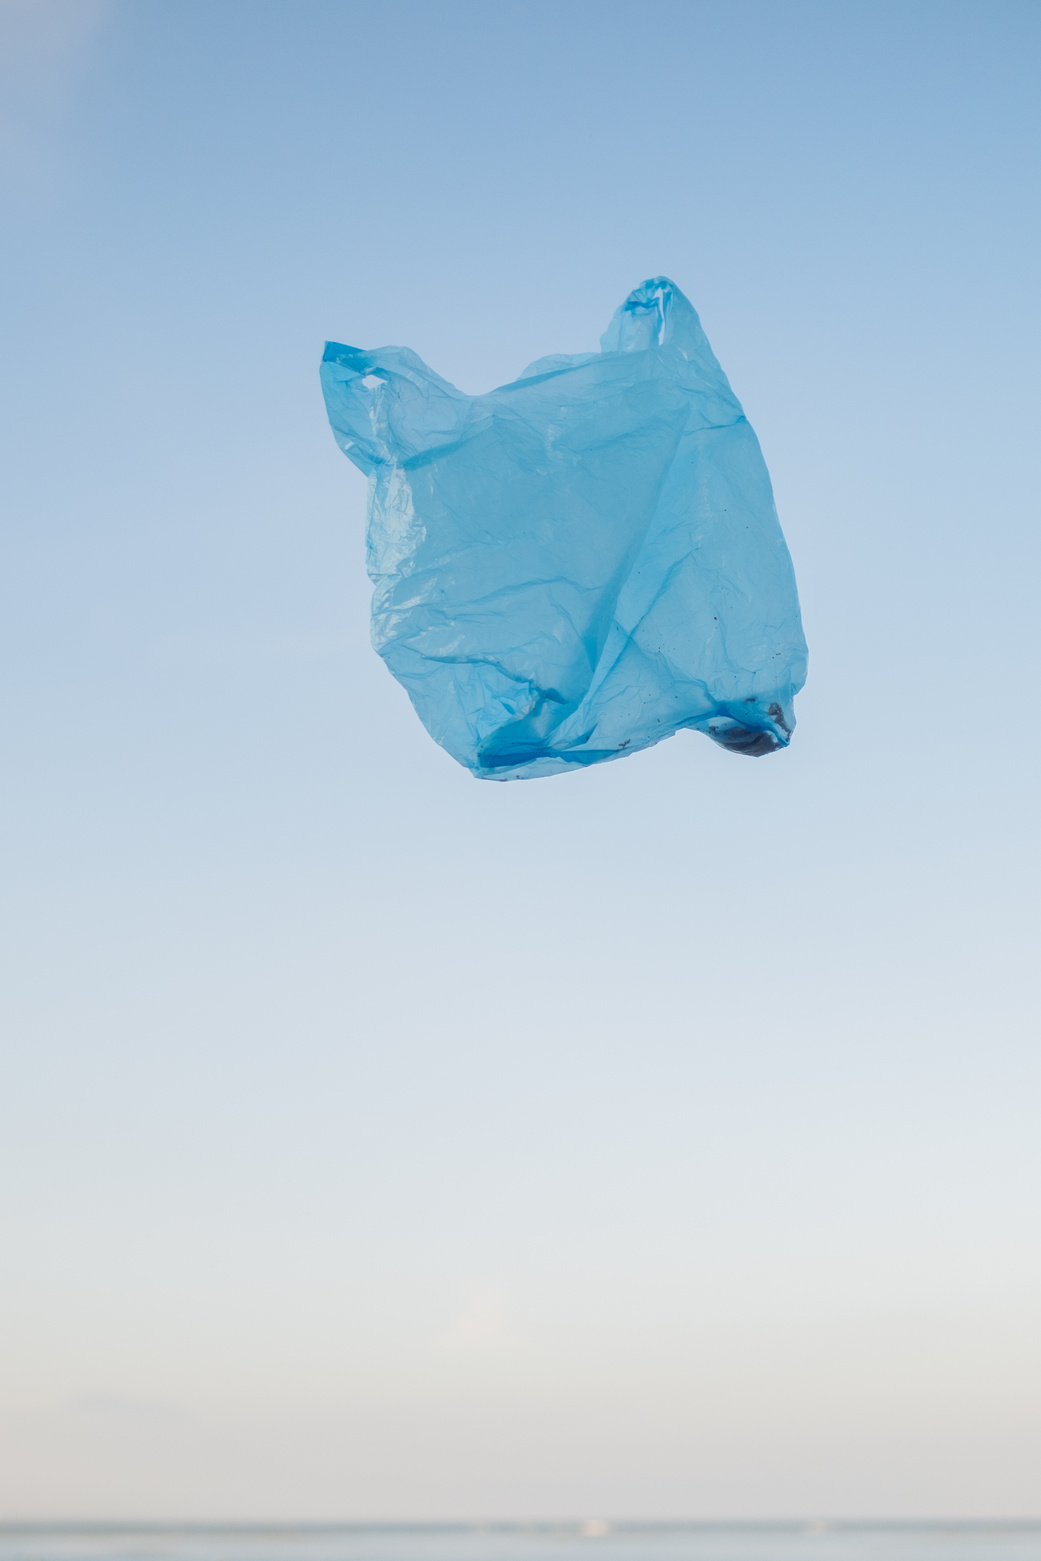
(656, 1141)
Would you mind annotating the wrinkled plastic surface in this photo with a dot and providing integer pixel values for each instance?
(578, 564)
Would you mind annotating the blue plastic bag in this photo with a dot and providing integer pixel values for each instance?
(578, 564)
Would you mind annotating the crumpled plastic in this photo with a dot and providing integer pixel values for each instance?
(581, 563)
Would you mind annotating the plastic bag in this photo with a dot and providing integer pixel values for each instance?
(578, 564)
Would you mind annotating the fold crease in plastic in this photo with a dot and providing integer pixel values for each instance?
(578, 564)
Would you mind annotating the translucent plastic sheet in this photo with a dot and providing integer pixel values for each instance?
(580, 563)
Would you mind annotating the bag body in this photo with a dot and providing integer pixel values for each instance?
(578, 564)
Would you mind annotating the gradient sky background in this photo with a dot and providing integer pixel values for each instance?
(657, 1141)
